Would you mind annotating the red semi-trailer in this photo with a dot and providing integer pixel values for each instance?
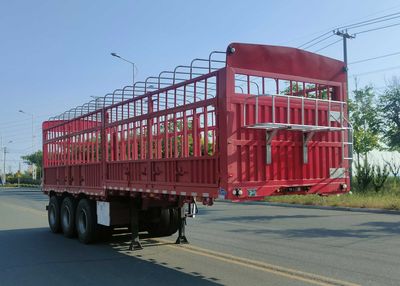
(250, 122)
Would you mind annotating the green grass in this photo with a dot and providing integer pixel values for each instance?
(384, 200)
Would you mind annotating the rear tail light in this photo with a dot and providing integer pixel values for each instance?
(237, 192)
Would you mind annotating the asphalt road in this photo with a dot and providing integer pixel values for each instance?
(231, 244)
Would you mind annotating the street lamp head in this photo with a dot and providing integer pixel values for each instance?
(125, 60)
(21, 111)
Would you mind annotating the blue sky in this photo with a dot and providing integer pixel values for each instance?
(55, 54)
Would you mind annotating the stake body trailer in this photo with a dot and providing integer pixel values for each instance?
(250, 122)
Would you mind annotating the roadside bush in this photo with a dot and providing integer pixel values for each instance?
(373, 178)
(380, 176)
(364, 176)
(23, 180)
(20, 185)
(392, 186)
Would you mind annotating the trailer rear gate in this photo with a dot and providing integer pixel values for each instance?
(267, 121)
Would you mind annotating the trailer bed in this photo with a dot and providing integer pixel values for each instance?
(250, 122)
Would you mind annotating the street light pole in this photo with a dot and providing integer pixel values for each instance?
(133, 67)
(1, 148)
(19, 174)
(33, 144)
(30, 114)
(4, 163)
(4, 166)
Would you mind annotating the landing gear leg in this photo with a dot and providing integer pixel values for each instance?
(135, 244)
(182, 222)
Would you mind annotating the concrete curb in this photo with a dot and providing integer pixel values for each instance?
(349, 209)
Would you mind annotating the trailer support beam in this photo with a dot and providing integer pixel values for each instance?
(182, 222)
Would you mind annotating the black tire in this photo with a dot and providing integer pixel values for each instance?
(86, 221)
(160, 226)
(53, 214)
(68, 210)
(174, 221)
(104, 233)
(166, 224)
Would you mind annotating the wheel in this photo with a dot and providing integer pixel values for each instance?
(85, 221)
(160, 223)
(53, 214)
(68, 209)
(166, 224)
(174, 221)
(104, 233)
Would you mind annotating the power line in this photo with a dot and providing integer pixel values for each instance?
(323, 39)
(379, 28)
(4, 130)
(314, 39)
(374, 58)
(17, 131)
(331, 44)
(20, 122)
(19, 151)
(28, 119)
(377, 71)
(372, 21)
(37, 125)
(347, 26)
(335, 27)
(13, 121)
(24, 122)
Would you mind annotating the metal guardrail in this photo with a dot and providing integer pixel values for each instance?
(164, 79)
(307, 129)
(289, 97)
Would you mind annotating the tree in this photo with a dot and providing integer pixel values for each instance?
(35, 158)
(389, 106)
(364, 117)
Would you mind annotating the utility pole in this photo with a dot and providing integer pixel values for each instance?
(4, 162)
(19, 174)
(1, 148)
(345, 35)
(4, 165)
